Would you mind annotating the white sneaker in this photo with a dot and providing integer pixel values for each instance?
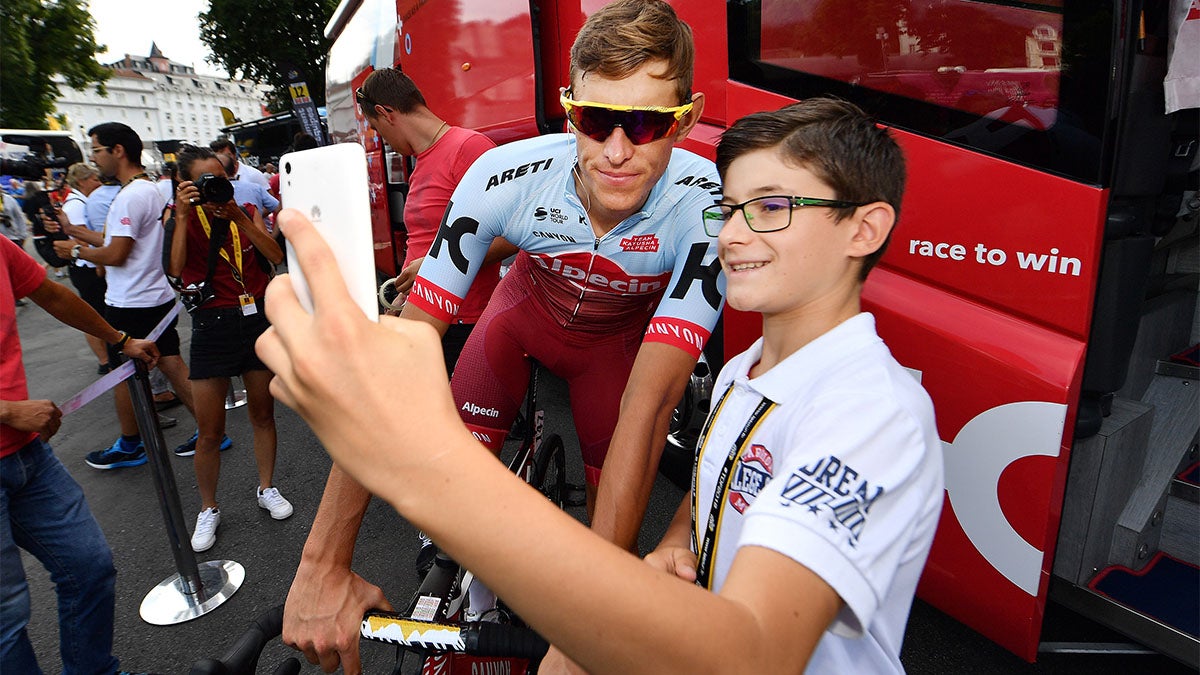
(206, 529)
(271, 500)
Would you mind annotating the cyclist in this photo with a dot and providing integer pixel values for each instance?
(616, 291)
(818, 482)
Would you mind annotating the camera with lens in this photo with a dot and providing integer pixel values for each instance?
(194, 295)
(213, 189)
(43, 241)
(31, 166)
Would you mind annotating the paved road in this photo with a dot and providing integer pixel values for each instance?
(59, 364)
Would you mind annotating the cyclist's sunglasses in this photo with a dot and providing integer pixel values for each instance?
(641, 124)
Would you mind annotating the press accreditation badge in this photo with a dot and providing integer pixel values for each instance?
(248, 306)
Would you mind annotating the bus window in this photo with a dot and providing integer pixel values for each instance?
(999, 77)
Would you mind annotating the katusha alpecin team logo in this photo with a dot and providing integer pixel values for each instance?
(754, 468)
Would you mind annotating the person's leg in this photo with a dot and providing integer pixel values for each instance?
(177, 373)
(16, 652)
(596, 378)
(209, 410)
(261, 410)
(492, 372)
(51, 519)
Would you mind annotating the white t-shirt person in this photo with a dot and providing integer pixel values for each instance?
(75, 209)
(843, 475)
(140, 282)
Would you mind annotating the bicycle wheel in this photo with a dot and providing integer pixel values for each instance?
(550, 470)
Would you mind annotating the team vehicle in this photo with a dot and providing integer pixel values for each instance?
(1042, 282)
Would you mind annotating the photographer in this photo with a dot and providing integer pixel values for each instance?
(222, 255)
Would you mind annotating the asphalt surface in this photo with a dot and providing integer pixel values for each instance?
(59, 364)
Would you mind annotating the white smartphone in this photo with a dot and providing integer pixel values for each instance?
(329, 185)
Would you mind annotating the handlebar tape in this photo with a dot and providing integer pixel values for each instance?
(493, 639)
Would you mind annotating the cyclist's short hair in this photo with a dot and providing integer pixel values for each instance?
(621, 37)
(837, 142)
(79, 172)
(222, 144)
(392, 88)
(112, 134)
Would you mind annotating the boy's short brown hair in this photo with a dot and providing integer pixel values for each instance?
(621, 37)
(837, 142)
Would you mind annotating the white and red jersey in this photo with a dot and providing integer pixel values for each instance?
(656, 269)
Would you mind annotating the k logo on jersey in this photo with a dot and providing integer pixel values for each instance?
(754, 468)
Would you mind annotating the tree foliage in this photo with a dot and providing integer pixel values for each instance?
(40, 39)
(253, 39)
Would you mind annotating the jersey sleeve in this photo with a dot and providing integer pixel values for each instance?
(473, 219)
(847, 501)
(688, 311)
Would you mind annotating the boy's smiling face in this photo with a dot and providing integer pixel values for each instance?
(808, 266)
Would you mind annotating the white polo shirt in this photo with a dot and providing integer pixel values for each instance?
(140, 282)
(75, 209)
(843, 475)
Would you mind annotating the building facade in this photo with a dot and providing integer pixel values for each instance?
(162, 100)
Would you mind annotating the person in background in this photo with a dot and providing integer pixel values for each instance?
(224, 329)
(138, 296)
(42, 508)
(84, 179)
(396, 110)
(166, 182)
(235, 168)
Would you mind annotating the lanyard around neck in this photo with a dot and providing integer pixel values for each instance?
(236, 263)
(705, 547)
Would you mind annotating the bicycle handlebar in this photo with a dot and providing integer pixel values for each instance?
(474, 638)
(243, 656)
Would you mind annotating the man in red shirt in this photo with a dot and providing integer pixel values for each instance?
(396, 110)
(42, 508)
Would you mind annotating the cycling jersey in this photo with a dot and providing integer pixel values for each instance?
(579, 304)
(658, 262)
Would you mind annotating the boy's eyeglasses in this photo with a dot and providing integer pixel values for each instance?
(765, 214)
(641, 123)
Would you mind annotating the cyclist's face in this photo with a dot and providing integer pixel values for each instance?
(616, 176)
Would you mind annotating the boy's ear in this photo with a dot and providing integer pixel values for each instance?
(872, 225)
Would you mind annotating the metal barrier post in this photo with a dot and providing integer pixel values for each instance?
(194, 589)
(236, 398)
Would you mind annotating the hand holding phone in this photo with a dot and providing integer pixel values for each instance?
(329, 186)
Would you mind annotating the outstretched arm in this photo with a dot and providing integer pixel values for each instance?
(491, 522)
(70, 309)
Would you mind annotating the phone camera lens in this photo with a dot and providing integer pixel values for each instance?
(287, 167)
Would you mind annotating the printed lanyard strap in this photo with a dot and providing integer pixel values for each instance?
(704, 549)
(236, 263)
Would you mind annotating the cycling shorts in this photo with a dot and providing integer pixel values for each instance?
(493, 372)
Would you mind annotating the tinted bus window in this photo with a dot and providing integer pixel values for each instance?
(1027, 81)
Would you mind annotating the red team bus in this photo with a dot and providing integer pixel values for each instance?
(1042, 284)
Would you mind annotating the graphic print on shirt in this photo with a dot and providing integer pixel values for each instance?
(754, 468)
(831, 488)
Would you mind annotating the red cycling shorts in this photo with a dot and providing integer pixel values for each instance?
(492, 374)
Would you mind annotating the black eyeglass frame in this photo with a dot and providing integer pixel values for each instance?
(721, 213)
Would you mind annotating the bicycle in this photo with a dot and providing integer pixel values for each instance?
(430, 627)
